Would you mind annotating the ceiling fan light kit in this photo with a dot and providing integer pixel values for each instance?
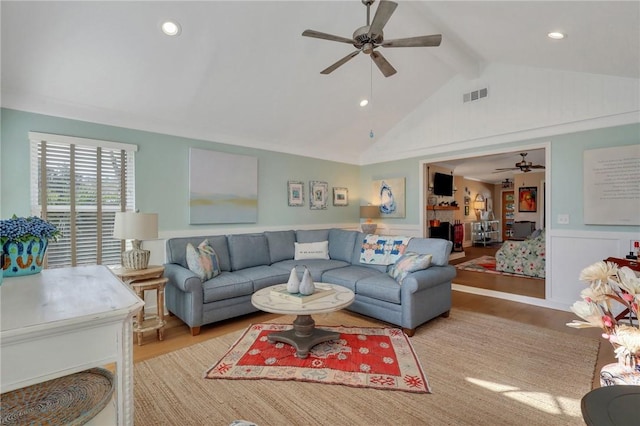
(523, 165)
(369, 37)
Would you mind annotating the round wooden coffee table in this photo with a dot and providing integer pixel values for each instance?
(304, 334)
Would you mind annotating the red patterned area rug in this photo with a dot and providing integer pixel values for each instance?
(372, 357)
(484, 264)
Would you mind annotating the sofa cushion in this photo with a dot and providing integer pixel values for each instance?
(316, 266)
(381, 287)
(247, 250)
(317, 250)
(348, 276)
(312, 235)
(440, 249)
(281, 245)
(264, 276)
(409, 262)
(203, 260)
(227, 285)
(341, 244)
(176, 249)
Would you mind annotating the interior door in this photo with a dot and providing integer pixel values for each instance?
(508, 212)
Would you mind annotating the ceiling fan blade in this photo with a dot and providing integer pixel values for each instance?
(325, 36)
(420, 41)
(383, 64)
(537, 166)
(505, 169)
(341, 62)
(383, 13)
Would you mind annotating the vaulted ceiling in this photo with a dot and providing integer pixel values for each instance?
(241, 73)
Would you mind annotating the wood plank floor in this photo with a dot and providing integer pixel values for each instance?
(523, 286)
(177, 334)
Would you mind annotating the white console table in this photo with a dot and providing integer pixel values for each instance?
(62, 321)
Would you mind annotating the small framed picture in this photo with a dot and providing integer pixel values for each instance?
(340, 197)
(466, 210)
(318, 195)
(295, 193)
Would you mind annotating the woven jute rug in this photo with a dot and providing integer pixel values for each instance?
(376, 357)
(482, 370)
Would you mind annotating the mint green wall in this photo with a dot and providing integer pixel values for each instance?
(408, 169)
(162, 173)
(162, 169)
(566, 173)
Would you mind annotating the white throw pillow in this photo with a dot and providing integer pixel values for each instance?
(317, 250)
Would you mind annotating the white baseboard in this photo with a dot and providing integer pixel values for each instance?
(512, 297)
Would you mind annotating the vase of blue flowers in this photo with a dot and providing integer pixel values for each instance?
(24, 242)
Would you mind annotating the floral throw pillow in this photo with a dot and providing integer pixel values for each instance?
(409, 262)
(203, 261)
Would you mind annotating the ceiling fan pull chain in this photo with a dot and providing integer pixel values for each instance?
(371, 97)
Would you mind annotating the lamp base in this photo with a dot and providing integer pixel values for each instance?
(369, 228)
(136, 259)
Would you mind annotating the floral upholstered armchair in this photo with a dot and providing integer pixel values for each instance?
(523, 257)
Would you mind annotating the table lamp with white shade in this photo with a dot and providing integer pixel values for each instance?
(137, 227)
(478, 205)
(368, 213)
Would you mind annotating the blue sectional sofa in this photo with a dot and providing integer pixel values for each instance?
(250, 262)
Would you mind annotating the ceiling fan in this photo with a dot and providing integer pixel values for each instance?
(369, 37)
(523, 165)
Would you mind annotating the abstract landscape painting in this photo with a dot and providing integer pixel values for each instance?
(223, 188)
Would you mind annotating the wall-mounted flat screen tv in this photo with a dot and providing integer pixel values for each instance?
(443, 184)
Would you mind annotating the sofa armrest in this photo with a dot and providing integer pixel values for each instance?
(182, 278)
(427, 278)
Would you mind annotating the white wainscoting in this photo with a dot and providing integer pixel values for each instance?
(571, 251)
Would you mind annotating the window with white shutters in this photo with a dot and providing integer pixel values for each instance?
(78, 185)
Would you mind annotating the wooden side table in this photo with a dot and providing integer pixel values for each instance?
(142, 280)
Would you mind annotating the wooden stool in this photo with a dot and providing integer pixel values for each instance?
(154, 322)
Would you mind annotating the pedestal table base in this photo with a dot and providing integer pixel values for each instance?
(303, 336)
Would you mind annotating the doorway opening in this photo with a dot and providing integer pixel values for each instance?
(478, 170)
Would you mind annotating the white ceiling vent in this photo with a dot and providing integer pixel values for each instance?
(475, 95)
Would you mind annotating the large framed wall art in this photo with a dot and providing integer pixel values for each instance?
(223, 188)
(611, 189)
(389, 194)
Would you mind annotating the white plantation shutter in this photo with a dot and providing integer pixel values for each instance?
(78, 185)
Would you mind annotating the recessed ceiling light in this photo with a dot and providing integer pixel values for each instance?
(364, 102)
(171, 28)
(556, 35)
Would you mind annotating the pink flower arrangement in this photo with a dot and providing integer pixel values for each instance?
(611, 303)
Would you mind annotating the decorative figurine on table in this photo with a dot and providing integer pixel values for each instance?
(307, 286)
(293, 285)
